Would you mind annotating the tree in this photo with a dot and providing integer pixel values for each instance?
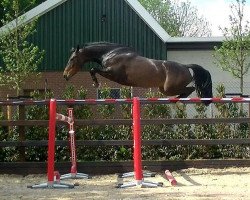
(24, 5)
(178, 18)
(233, 55)
(20, 58)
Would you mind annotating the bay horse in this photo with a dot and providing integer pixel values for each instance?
(122, 64)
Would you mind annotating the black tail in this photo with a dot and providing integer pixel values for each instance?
(203, 82)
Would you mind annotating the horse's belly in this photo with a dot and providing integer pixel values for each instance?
(146, 74)
(146, 81)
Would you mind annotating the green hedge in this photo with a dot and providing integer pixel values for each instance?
(149, 111)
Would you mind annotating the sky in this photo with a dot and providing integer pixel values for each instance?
(217, 12)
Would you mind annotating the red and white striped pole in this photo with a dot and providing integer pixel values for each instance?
(72, 143)
(64, 118)
(73, 170)
(51, 147)
(137, 140)
(170, 178)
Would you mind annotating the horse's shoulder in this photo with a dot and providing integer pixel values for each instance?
(121, 52)
(106, 57)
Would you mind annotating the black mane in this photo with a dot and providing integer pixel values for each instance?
(102, 43)
(118, 48)
(96, 50)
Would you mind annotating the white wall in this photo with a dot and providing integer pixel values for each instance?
(206, 60)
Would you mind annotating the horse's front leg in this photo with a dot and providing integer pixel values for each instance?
(93, 71)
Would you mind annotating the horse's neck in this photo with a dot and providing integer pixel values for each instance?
(95, 54)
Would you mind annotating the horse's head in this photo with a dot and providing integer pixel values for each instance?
(76, 61)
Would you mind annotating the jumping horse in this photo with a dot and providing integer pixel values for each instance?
(125, 66)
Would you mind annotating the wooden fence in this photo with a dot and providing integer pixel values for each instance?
(88, 166)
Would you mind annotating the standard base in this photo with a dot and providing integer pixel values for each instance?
(141, 183)
(131, 174)
(75, 176)
(53, 185)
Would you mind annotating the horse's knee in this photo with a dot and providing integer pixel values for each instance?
(92, 71)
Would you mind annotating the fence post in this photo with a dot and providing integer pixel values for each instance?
(9, 113)
(138, 173)
(51, 145)
(21, 130)
(51, 174)
(249, 116)
(137, 140)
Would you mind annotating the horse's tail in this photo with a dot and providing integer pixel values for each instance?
(203, 81)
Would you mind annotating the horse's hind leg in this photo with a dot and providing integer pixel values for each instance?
(93, 71)
(186, 92)
(182, 93)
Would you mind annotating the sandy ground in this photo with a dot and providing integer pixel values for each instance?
(192, 184)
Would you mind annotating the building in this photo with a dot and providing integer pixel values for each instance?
(63, 24)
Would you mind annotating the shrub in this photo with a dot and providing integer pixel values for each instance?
(123, 132)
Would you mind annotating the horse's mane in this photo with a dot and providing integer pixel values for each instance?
(120, 47)
(102, 43)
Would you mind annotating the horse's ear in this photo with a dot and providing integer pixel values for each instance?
(72, 50)
(77, 49)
